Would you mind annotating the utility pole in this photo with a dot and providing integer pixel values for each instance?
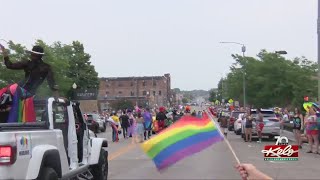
(243, 49)
(318, 31)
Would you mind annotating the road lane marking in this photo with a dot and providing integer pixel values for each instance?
(121, 151)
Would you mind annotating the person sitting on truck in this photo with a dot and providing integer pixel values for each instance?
(36, 71)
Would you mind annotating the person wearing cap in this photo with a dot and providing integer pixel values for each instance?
(36, 71)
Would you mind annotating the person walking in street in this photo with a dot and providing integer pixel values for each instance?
(248, 126)
(199, 115)
(297, 126)
(115, 132)
(124, 119)
(259, 124)
(223, 123)
(285, 118)
(139, 128)
(132, 123)
(147, 116)
(161, 117)
(115, 135)
(194, 113)
(312, 131)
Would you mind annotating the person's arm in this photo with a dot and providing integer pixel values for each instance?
(248, 171)
(18, 65)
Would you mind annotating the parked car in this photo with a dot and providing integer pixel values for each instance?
(92, 122)
(102, 124)
(271, 124)
(233, 117)
(238, 124)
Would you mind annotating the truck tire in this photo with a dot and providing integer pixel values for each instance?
(47, 173)
(100, 170)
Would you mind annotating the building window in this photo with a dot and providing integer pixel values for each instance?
(120, 85)
(131, 84)
(154, 83)
(107, 92)
(132, 93)
(120, 92)
(154, 93)
(159, 93)
(144, 93)
(107, 85)
(144, 83)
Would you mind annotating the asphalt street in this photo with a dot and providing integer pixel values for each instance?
(127, 161)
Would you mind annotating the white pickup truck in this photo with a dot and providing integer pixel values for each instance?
(57, 145)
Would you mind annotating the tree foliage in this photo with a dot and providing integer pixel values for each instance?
(271, 80)
(70, 64)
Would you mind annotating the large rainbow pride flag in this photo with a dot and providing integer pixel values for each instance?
(22, 109)
(184, 138)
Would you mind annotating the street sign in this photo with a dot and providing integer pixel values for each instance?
(236, 103)
(87, 94)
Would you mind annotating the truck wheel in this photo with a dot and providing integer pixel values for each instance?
(47, 173)
(100, 171)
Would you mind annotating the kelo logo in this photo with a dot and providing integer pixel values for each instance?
(281, 151)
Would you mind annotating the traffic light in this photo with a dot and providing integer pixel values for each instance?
(306, 98)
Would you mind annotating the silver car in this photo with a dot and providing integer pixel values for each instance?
(271, 124)
(271, 128)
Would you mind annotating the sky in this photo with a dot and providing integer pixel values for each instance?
(154, 37)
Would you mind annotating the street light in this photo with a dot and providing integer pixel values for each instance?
(281, 52)
(243, 50)
(74, 86)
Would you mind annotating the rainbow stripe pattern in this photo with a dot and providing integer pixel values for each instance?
(184, 138)
(22, 109)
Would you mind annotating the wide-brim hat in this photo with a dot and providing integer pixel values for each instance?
(36, 50)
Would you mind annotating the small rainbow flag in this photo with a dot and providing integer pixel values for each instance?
(22, 109)
(184, 138)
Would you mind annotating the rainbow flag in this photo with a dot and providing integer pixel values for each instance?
(184, 138)
(22, 109)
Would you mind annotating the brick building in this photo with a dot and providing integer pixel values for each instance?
(149, 91)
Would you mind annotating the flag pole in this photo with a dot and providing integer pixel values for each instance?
(225, 139)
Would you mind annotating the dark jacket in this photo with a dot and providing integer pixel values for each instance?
(161, 116)
(124, 119)
(35, 73)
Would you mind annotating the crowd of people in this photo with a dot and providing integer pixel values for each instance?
(305, 126)
(141, 123)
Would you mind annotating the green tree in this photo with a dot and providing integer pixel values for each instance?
(185, 100)
(271, 80)
(213, 95)
(70, 64)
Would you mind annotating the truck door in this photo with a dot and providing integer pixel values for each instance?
(60, 121)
